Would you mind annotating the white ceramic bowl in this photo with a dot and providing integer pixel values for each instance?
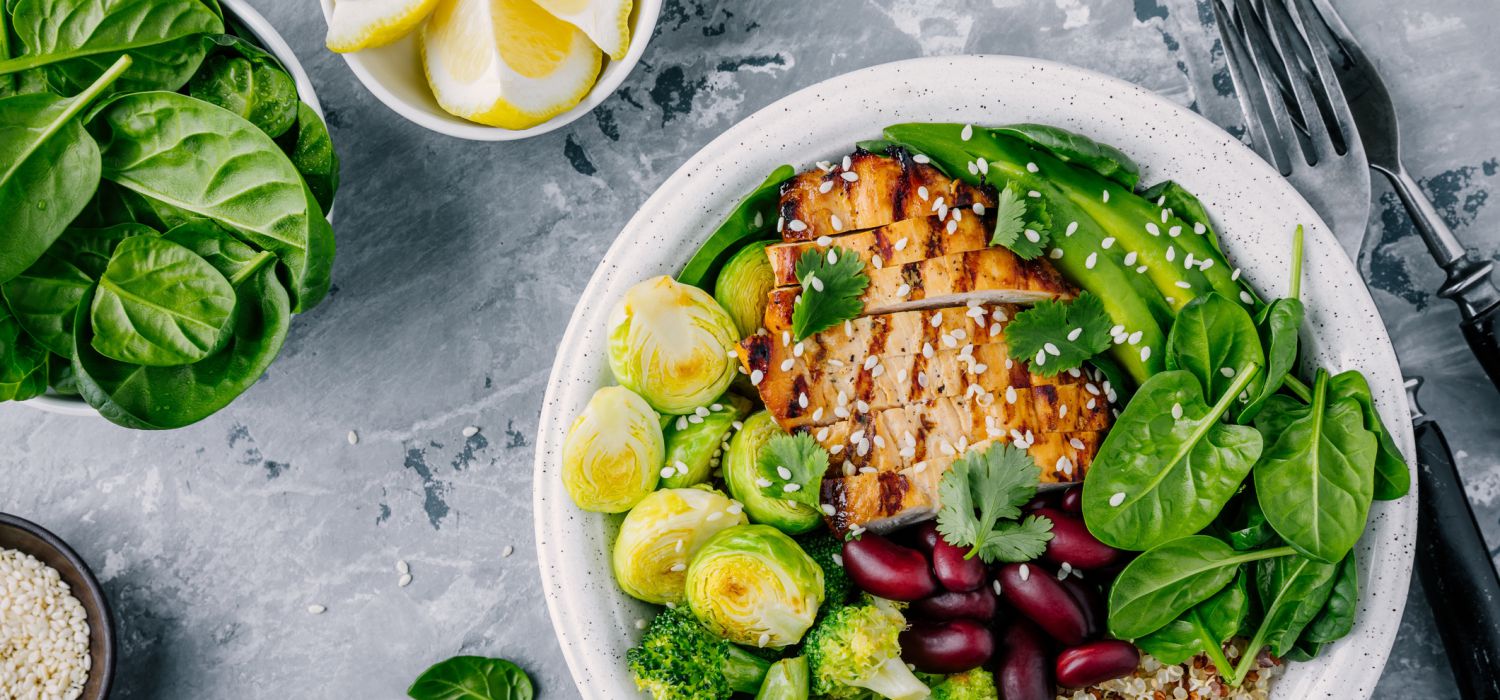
(264, 34)
(1254, 208)
(393, 73)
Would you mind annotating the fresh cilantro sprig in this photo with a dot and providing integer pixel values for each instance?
(1021, 222)
(982, 494)
(832, 283)
(791, 468)
(1056, 336)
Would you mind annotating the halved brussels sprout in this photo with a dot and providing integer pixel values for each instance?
(743, 285)
(613, 455)
(672, 344)
(753, 585)
(662, 533)
(694, 443)
(741, 466)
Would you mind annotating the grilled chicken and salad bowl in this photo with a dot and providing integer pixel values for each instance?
(975, 413)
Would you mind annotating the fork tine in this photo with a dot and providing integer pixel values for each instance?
(1316, 30)
(1250, 90)
(1259, 45)
(1308, 90)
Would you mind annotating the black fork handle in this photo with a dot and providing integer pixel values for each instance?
(1462, 587)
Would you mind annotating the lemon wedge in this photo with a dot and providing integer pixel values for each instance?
(365, 24)
(506, 63)
(606, 22)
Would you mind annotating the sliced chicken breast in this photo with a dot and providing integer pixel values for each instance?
(895, 244)
(867, 190)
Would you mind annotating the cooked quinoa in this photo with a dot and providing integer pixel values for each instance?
(1194, 679)
(44, 632)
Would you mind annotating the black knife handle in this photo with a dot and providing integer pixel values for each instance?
(1461, 584)
(1483, 334)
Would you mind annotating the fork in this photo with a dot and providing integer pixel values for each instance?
(1300, 121)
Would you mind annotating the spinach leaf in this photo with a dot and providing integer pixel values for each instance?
(1278, 324)
(1246, 527)
(314, 156)
(752, 219)
(1316, 478)
(218, 246)
(23, 361)
(1292, 590)
(61, 376)
(91, 248)
(43, 298)
(155, 398)
(1212, 338)
(1204, 628)
(113, 205)
(1168, 465)
(1392, 478)
(1163, 583)
(77, 40)
(1336, 619)
(158, 304)
(7, 81)
(208, 163)
(1185, 206)
(472, 678)
(49, 168)
(246, 80)
(1078, 149)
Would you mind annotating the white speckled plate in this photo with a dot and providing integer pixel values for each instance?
(1254, 208)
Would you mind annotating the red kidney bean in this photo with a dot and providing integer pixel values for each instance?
(926, 536)
(978, 605)
(954, 571)
(1096, 662)
(947, 647)
(1090, 601)
(1036, 593)
(886, 569)
(1073, 544)
(1023, 671)
(1072, 500)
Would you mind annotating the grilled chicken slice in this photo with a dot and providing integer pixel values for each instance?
(899, 243)
(987, 276)
(867, 190)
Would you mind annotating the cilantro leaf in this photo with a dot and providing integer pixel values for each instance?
(1017, 541)
(981, 489)
(832, 283)
(1021, 222)
(1059, 335)
(792, 467)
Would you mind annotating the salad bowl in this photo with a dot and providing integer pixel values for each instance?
(1253, 208)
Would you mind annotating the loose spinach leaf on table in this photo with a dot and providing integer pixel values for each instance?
(1166, 581)
(1212, 338)
(159, 304)
(1168, 465)
(1315, 480)
(472, 678)
(1078, 149)
(49, 168)
(1203, 628)
(313, 155)
(154, 398)
(23, 361)
(209, 163)
(1392, 477)
(244, 79)
(75, 41)
(1291, 590)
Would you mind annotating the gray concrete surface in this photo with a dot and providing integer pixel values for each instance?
(458, 266)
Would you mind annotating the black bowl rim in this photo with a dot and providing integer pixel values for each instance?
(95, 591)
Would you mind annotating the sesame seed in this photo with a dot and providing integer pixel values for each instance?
(470, 431)
(979, 208)
(847, 163)
(667, 472)
(818, 414)
(921, 158)
(836, 222)
(824, 241)
(682, 423)
(967, 133)
(923, 193)
(1010, 394)
(973, 168)
(1025, 572)
(1051, 349)
(952, 225)
(1107, 243)
(1033, 194)
(1184, 284)
(903, 290)
(1041, 357)
(1072, 228)
(1141, 270)
(640, 624)
(996, 586)
(796, 225)
(1033, 236)
(786, 365)
(1177, 411)
(1073, 334)
(1175, 231)
(1153, 229)
(1106, 197)
(1117, 499)
(1199, 228)
(1227, 371)
(1031, 168)
(679, 566)
(815, 283)
(1062, 410)
(1145, 353)
(791, 488)
(984, 166)
(763, 482)
(756, 377)
(404, 581)
(828, 509)
(825, 187)
(1245, 297)
(849, 176)
(780, 223)
(1091, 260)
(1130, 258)
(833, 257)
(702, 411)
(1056, 254)
(1166, 214)
(402, 567)
(879, 370)
(1206, 264)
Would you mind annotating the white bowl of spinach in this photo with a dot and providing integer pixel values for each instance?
(172, 176)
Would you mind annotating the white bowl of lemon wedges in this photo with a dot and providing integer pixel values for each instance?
(491, 70)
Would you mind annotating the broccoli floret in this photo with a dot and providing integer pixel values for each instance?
(680, 659)
(977, 684)
(827, 551)
(855, 648)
